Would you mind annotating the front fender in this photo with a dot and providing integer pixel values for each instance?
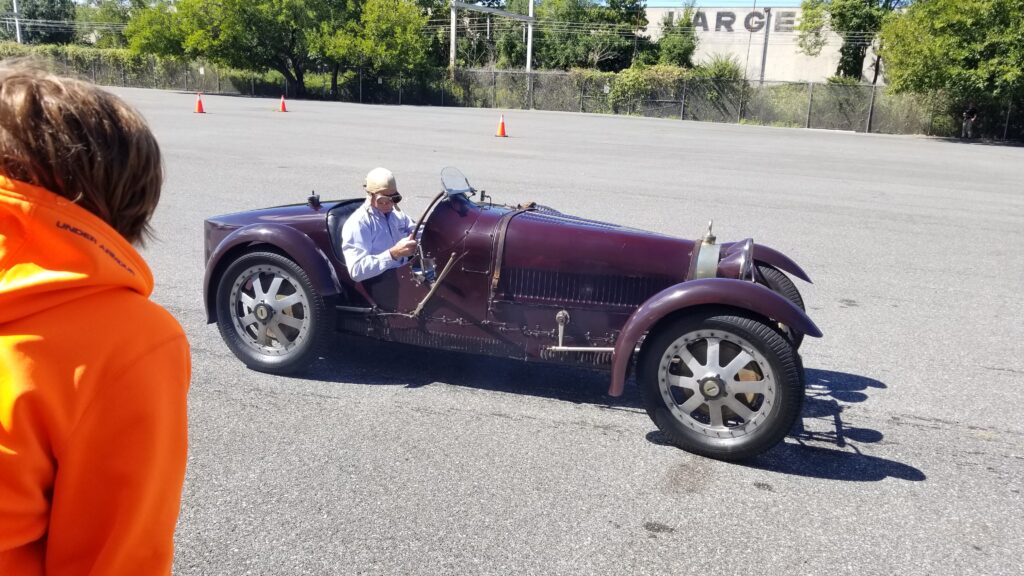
(296, 245)
(715, 291)
(780, 261)
(772, 256)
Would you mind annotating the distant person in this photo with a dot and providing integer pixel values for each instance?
(93, 375)
(376, 237)
(970, 115)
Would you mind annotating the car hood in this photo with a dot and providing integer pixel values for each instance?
(550, 241)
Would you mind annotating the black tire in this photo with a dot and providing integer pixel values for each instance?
(272, 344)
(778, 282)
(756, 405)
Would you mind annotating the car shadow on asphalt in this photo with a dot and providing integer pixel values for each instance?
(820, 445)
(365, 361)
(823, 446)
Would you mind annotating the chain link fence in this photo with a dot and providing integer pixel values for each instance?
(858, 108)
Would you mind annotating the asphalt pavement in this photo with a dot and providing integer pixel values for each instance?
(396, 460)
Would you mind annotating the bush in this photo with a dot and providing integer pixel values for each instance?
(639, 84)
(594, 87)
(720, 67)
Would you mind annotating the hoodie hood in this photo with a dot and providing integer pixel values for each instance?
(53, 251)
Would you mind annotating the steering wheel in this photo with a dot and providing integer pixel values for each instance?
(419, 257)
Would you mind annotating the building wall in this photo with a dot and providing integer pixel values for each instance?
(740, 33)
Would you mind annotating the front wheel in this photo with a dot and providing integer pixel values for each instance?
(269, 313)
(722, 386)
(777, 281)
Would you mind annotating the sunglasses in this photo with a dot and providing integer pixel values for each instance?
(394, 198)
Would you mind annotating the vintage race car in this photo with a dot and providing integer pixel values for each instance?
(711, 328)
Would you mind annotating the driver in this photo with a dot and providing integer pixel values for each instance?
(377, 236)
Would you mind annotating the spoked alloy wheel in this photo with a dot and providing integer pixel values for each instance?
(269, 313)
(721, 386)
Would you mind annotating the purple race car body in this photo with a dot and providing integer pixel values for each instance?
(713, 328)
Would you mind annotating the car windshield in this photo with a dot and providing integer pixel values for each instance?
(454, 182)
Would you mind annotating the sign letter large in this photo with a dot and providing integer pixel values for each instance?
(724, 20)
(750, 24)
(785, 21)
(700, 19)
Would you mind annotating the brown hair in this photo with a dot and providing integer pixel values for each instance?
(80, 142)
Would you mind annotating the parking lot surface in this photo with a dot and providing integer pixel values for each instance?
(385, 459)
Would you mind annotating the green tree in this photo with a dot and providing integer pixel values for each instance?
(102, 22)
(973, 49)
(41, 21)
(509, 37)
(678, 40)
(583, 33)
(340, 20)
(555, 43)
(256, 35)
(856, 21)
(387, 38)
(158, 30)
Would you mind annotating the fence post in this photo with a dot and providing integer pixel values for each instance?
(529, 91)
(360, 85)
(682, 102)
(399, 90)
(1006, 127)
(494, 88)
(184, 74)
(124, 76)
(810, 102)
(931, 114)
(871, 109)
(583, 93)
(252, 85)
(743, 93)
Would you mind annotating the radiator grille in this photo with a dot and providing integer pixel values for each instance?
(561, 287)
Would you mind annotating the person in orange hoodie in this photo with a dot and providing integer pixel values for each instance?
(93, 375)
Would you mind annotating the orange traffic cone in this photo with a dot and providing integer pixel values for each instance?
(501, 128)
(199, 104)
(283, 108)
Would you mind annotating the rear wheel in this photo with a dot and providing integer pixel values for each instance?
(269, 313)
(722, 386)
(778, 282)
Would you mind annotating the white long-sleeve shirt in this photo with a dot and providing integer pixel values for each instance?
(367, 237)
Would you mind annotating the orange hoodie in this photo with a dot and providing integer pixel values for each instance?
(93, 384)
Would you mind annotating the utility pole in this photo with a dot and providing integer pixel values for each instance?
(529, 41)
(17, 23)
(451, 44)
(767, 30)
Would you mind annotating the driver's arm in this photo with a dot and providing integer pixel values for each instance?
(408, 225)
(356, 244)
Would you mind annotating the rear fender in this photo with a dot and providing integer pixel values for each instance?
(708, 291)
(294, 244)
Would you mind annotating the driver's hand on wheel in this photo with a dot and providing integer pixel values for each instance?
(404, 247)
